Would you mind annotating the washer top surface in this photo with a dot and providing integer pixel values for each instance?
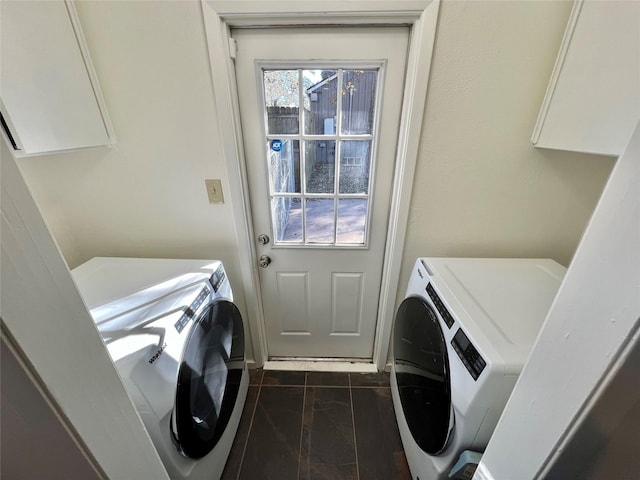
(102, 280)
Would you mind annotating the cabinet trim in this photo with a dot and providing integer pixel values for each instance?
(91, 71)
(557, 68)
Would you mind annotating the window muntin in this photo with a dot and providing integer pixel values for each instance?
(320, 177)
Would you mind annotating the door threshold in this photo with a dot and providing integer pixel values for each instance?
(308, 365)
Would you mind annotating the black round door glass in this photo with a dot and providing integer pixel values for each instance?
(422, 374)
(209, 379)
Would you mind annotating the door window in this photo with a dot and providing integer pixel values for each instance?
(320, 132)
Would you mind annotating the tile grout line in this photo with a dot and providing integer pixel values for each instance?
(304, 404)
(305, 385)
(300, 385)
(253, 414)
(353, 424)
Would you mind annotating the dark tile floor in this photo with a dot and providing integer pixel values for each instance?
(317, 426)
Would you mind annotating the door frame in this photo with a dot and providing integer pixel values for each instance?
(421, 17)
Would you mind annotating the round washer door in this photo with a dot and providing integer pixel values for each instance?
(208, 379)
(422, 374)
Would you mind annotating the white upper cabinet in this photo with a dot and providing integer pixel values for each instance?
(49, 96)
(593, 100)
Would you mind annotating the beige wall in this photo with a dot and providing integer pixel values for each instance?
(480, 188)
(146, 196)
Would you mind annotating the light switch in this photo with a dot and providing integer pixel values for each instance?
(214, 190)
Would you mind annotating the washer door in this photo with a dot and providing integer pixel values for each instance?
(422, 374)
(208, 379)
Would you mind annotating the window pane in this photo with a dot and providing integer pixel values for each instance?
(320, 162)
(320, 101)
(352, 218)
(284, 166)
(320, 220)
(358, 101)
(281, 97)
(287, 219)
(355, 164)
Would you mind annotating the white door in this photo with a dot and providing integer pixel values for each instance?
(320, 178)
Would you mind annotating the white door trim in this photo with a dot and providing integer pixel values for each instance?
(219, 17)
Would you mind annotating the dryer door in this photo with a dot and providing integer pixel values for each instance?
(422, 374)
(208, 379)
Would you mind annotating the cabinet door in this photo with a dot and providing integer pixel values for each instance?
(593, 100)
(48, 100)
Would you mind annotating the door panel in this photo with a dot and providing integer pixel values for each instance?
(347, 305)
(320, 142)
(293, 297)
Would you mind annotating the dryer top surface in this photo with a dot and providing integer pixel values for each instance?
(102, 280)
(512, 294)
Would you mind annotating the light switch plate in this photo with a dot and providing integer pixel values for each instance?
(214, 190)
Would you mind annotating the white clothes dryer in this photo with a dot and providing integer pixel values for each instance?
(460, 339)
(177, 341)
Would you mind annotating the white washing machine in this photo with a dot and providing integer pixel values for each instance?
(460, 339)
(177, 341)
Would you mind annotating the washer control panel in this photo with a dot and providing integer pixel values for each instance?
(218, 278)
(191, 310)
(470, 357)
(444, 313)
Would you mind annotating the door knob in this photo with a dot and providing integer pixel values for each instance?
(263, 239)
(264, 261)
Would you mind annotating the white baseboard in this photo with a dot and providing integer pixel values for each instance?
(320, 366)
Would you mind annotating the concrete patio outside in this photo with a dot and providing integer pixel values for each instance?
(352, 214)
